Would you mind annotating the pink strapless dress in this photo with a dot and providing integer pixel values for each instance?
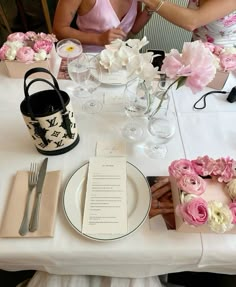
(102, 17)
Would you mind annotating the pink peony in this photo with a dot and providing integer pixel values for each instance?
(232, 207)
(203, 165)
(3, 51)
(224, 169)
(43, 45)
(193, 212)
(25, 54)
(30, 35)
(192, 183)
(228, 62)
(17, 36)
(180, 167)
(195, 64)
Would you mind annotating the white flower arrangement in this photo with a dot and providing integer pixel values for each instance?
(126, 55)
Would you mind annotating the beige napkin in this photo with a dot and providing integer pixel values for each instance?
(16, 205)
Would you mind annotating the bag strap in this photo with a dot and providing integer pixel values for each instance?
(66, 122)
(27, 96)
(41, 70)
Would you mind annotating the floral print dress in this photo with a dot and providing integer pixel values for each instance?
(220, 32)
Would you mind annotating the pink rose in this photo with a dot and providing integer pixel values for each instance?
(3, 51)
(25, 54)
(194, 212)
(180, 167)
(232, 207)
(228, 62)
(192, 183)
(17, 36)
(43, 45)
(203, 165)
(224, 169)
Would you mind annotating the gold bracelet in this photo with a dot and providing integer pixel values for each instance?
(159, 5)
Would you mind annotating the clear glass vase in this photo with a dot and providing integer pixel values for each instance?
(138, 98)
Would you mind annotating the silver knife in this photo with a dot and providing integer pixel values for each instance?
(34, 221)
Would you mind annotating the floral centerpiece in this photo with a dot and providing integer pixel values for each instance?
(125, 55)
(191, 180)
(28, 50)
(194, 67)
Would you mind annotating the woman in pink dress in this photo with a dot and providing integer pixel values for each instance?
(99, 21)
(209, 20)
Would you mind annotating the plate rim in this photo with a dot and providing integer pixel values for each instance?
(114, 83)
(108, 239)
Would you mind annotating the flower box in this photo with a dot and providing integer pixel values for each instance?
(214, 191)
(219, 81)
(17, 69)
(24, 51)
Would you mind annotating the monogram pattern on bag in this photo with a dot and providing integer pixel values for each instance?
(55, 133)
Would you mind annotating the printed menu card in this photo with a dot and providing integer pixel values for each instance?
(105, 210)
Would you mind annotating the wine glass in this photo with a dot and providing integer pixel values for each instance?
(78, 70)
(136, 98)
(162, 127)
(84, 70)
(93, 105)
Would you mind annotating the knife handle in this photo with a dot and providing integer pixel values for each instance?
(34, 221)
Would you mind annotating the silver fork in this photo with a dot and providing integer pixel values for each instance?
(32, 181)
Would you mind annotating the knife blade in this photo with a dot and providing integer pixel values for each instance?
(34, 221)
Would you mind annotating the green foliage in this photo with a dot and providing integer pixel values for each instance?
(181, 81)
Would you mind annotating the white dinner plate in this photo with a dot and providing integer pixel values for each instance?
(117, 78)
(138, 201)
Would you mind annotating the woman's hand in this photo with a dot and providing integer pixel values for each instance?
(111, 35)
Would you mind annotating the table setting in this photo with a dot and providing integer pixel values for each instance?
(66, 241)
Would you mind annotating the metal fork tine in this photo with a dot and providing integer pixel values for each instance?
(34, 173)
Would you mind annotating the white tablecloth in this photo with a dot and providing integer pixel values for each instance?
(151, 250)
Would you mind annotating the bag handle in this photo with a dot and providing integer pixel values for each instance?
(41, 70)
(66, 122)
(27, 96)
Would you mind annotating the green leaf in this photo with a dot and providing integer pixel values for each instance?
(181, 81)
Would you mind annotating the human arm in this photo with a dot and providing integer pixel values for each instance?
(141, 20)
(65, 13)
(190, 19)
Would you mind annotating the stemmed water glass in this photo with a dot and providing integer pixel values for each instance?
(81, 70)
(137, 102)
(162, 127)
(79, 67)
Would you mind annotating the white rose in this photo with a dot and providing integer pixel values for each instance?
(11, 54)
(40, 56)
(231, 189)
(15, 44)
(220, 217)
(186, 197)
